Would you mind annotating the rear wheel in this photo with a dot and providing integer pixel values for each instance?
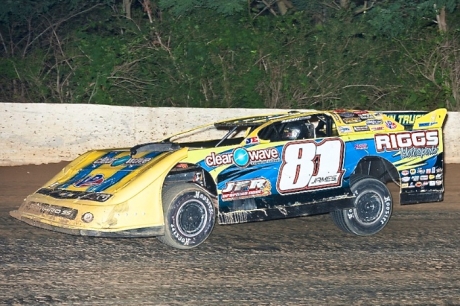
(189, 215)
(373, 206)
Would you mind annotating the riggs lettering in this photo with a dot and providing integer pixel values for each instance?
(395, 142)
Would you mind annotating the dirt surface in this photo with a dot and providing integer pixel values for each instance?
(303, 261)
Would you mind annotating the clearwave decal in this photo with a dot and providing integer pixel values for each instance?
(242, 157)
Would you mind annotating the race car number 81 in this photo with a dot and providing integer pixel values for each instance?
(310, 165)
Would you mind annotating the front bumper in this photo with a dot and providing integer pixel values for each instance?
(138, 232)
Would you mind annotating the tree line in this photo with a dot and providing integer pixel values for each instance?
(376, 54)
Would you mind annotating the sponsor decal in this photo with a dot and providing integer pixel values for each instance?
(345, 114)
(365, 116)
(438, 176)
(405, 119)
(242, 157)
(374, 122)
(405, 172)
(409, 144)
(376, 128)
(252, 140)
(426, 124)
(296, 119)
(344, 129)
(412, 171)
(431, 176)
(424, 177)
(351, 120)
(361, 128)
(258, 187)
(64, 194)
(390, 124)
(46, 209)
(417, 152)
(405, 185)
(438, 182)
(120, 161)
(405, 179)
(92, 180)
(137, 161)
(361, 146)
(415, 178)
(125, 160)
(418, 184)
(421, 171)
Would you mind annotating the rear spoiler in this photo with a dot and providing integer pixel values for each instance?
(419, 119)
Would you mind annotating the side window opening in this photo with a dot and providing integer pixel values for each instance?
(314, 126)
(324, 126)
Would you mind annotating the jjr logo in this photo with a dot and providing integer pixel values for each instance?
(246, 189)
(90, 181)
(242, 157)
(310, 165)
(394, 142)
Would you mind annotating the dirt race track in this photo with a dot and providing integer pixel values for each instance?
(304, 261)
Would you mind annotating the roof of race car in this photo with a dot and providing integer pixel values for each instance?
(257, 120)
(254, 120)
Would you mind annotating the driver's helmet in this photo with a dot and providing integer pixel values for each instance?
(292, 131)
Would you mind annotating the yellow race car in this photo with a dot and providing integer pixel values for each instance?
(256, 168)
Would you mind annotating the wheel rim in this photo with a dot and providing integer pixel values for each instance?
(369, 208)
(191, 218)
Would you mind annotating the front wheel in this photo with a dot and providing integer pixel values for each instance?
(373, 206)
(189, 215)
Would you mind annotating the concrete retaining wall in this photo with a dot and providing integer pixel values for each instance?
(47, 133)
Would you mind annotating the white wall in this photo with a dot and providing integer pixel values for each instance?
(37, 133)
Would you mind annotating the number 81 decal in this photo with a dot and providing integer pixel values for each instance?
(310, 165)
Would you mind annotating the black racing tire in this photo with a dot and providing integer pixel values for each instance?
(372, 210)
(189, 215)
